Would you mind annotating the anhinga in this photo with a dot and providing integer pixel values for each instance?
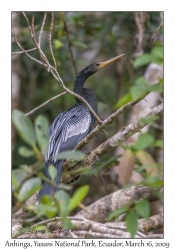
(71, 126)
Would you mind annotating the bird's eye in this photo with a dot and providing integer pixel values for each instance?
(97, 64)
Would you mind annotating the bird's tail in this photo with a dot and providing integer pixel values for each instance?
(47, 188)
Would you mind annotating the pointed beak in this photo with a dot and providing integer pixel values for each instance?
(102, 64)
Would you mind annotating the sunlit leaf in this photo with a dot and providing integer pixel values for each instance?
(57, 44)
(47, 199)
(78, 196)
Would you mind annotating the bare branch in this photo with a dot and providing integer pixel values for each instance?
(41, 30)
(155, 32)
(116, 139)
(19, 45)
(20, 52)
(69, 45)
(50, 42)
(88, 228)
(51, 99)
(109, 120)
(54, 72)
(100, 209)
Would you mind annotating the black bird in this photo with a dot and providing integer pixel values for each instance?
(71, 126)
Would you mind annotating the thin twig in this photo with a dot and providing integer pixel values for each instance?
(51, 99)
(19, 45)
(20, 52)
(54, 72)
(69, 45)
(50, 42)
(41, 30)
(161, 24)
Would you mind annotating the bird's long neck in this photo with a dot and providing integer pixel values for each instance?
(79, 84)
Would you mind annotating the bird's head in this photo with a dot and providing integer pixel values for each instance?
(96, 66)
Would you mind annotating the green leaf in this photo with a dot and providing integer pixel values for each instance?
(57, 44)
(142, 60)
(155, 88)
(52, 172)
(132, 223)
(157, 54)
(18, 175)
(79, 44)
(141, 81)
(78, 196)
(15, 183)
(72, 155)
(24, 126)
(29, 187)
(115, 214)
(122, 101)
(154, 181)
(140, 87)
(67, 224)
(25, 152)
(144, 141)
(49, 210)
(142, 208)
(41, 126)
(63, 199)
(159, 143)
(47, 199)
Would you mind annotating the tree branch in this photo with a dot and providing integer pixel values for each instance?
(40, 106)
(116, 139)
(51, 69)
(20, 52)
(99, 210)
(69, 45)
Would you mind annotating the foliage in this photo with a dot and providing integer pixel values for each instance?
(92, 37)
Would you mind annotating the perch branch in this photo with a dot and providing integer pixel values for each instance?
(116, 139)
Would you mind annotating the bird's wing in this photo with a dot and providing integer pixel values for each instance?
(68, 131)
